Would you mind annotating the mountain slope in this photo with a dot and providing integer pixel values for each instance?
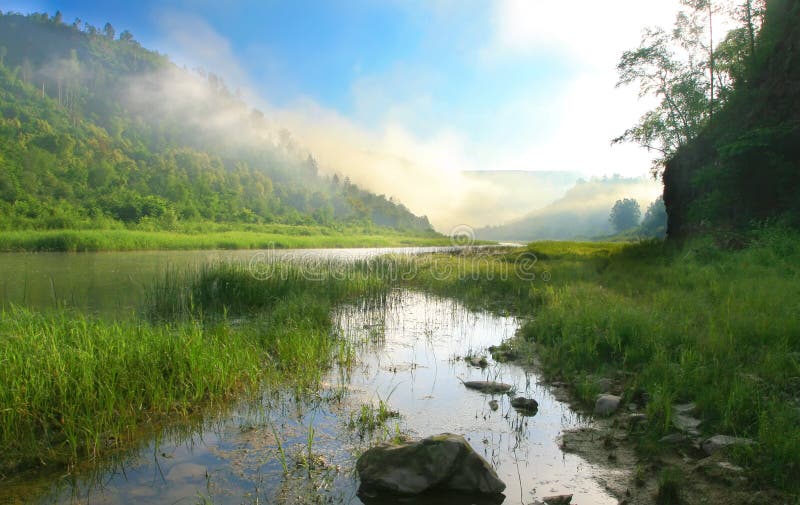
(96, 131)
(582, 212)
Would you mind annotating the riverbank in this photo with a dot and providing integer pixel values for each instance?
(274, 237)
(75, 387)
(711, 322)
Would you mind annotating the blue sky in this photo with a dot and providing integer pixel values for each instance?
(440, 85)
(328, 51)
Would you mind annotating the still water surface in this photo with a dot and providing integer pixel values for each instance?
(408, 355)
(113, 282)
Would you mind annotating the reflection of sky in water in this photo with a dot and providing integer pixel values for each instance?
(407, 356)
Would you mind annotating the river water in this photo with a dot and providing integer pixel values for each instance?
(409, 356)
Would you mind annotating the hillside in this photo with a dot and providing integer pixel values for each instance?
(583, 212)
(744, 167)
(99, 132)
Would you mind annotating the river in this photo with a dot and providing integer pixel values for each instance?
(409, 356)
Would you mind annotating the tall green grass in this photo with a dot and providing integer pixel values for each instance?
(684, 322)
(71, 386)
(285, 237)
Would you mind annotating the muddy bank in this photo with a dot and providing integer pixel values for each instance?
(637, 470)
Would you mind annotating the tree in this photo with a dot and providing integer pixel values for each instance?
(109, 31)
(654, 223)
(126, 36)
(625, 214)
(678, 82)
(687, 73)
(3, 53)
(704, 9)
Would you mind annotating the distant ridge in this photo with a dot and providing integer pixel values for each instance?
(581, 213)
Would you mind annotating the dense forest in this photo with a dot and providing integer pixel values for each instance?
(98, 132)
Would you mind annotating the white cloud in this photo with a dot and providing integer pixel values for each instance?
(593, 32)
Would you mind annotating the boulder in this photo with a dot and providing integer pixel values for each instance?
(719, 442)
(488, 386)
(525, 405)
(443, 462)
(493, 404)
(606, 405)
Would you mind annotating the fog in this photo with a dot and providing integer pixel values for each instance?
(426, 175)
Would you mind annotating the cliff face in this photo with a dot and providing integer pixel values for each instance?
(745, 166)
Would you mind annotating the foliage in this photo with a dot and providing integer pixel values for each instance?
(654, 223)
(625, 214)
(687, 74)
(75, 152)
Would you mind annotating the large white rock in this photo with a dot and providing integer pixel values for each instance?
(443, 462)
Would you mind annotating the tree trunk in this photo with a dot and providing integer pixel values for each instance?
(751, 30)
(711, 58)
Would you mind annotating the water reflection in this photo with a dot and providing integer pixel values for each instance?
(112, 283)
(292, 448)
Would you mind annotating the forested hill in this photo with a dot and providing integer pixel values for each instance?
(96, 132)
(744, 166)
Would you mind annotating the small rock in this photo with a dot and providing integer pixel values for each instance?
(673, 438)
(606, 405)
(684, 408)
(561, 499)
(718, 442)
(444, 462)
(525, 405)
(636, 419)
(720, 470)
(493, 404)
(686, 424)
(478, 361)
(488, 386)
